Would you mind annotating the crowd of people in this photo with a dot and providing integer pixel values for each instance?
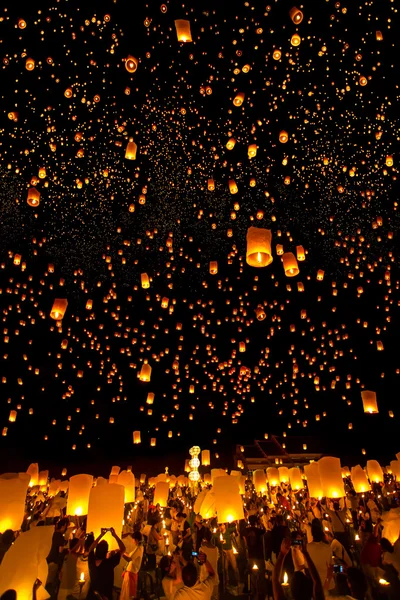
(288, 546)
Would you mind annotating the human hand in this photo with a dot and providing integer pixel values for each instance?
(285, 545)
(37, 584)
(112, 531)
(103, 530)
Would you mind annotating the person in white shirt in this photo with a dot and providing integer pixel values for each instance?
(193, 588)
(338, 550)
(321, 555)
(130, 575)
(211, 552)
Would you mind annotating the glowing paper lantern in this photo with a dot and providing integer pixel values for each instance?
(127, 480)
(283, 474)
(290, 264)
(12, 416)
(296, 480)
(136, 437)
(238, 99)
(311, 472)
(359, 479)
(59, 307)
(205, 458)
(233, 188)
(331, 477)
(131, 149)
(217, 473)
(230, 144)
(228, 501)
(78, 495)
(395, 467)
(33, 198)
(301, 255)
(273, 476)
(369, 402)
(283, 137)
(296, 15)
(213, 267)
(131, 64)
(206, 507)
(12, 503)
(258, 251)
(260, 481)
(145, 372)
(211, 185)
(161, 493)
(18, 571)
(295, 40)
(252, 150)
(183, 30)
(106, 509)
(374, 470)
(33, 471)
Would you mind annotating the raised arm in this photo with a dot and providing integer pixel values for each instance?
(317, 584)
(276, 573)
(94, 544)
(120, 543)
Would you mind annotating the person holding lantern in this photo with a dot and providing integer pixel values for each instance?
(102, 564)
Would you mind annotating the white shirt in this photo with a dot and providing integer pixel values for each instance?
(340, 552)
(212, 557)
(200, 591)
(321, 555)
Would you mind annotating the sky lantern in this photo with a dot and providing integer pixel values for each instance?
(127, 480)
(252, 150)
(260, 481)
(258, 251)
(239, 99)
(395, 466)
(330, 473)
(33, 472)
(389, 160)
(320, 275)
(161, 493)
(369, 402)
(230, 144)
(283, 137)
(29, 64)
(211, 185)
(301, 255)
(314, 485)
(42, 173)
(145, 372)
(205, 458)
(296, 480)
(283, 474)
(295, 40)
(228, 501)
(276, 55)
(12, 502)
(232, 186)
(359, 480)
(145, 281)
(290, 265)
(183, 30)
(33, 198)
(136, 437)
(296, 15)
(131, 149)
(260, 313)
(12, 416)
(58, 309)
(106, 509)
(374, 470)
(131, 63)
(213, 267)
(273, 476)
(78, 494)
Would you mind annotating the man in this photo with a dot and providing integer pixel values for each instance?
(338, 550)
(56, 555)
(102, 564)
(193, 588)
(229, 558)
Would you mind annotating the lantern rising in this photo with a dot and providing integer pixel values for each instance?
(59, 307)
(258, 252)
(183, 30)
(369, 402)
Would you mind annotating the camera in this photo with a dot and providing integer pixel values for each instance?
(338, 568)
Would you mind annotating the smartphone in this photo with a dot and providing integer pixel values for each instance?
(338, 568)
(195, 553)
(297, 543)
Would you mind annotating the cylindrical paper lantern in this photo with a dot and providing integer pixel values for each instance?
(145, 281)
(131, 149)
(206, 508)
(374, 470)
(283, 474)
(205, 458)
(260, 481)
(359, 479)
(136, 437)
(145, 372)
(273, 476)
(228, 501)
(369, 401)
(106, 509)
(296, 480)
(183, 30)
(330, 473)
(161, 493)
(290, 265)
(240, 479)
(59, 308)
(78, 495)
(127, 479)
(313, 480)
(12, 503)
(33, 471)
(258, 251)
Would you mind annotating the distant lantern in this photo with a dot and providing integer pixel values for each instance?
(145, 372)
(89, 304)
(145, 281)
(276, 55)
(359, 480)
(320, 274)
(131, 64)
(29, 64)
(78, 494)
(290, 265)
(58, 310)
(279, 249)
(42, 173)
(260, 313)
(295, 40)
(389, 161)
(150, 398)
(369, 402)
(330, 473)
(231, 143)
(238, 99)
(363, 80)
(183, 30)
(213, 267)
(252, 150)
(136, 437)
(232, 186)
(296, 15)
(68, 94)
(191, 389)
(205, 458)
(283, 137)
(131, 150)
(153, 441)
(258, 251)
(33, 198)
(301, 255)
(12, 416)
(378, 36)
(164, 302)
(242, 347)
(374, 470)
(17, 259)
(211, 185)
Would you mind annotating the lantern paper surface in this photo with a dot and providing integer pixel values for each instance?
(273, 476)
(207, 507)
(369, 401)
(374, 470)
(296, 480)
(283, 474)
(127, 479)
(106, 509)
(216, 473)
(12, 503)
(258, 251)
(260, 481)
(78, 494)
(25, 562)
(330, 472)
(205, 458)
(359, 479)
(313, 480)
(228, 501)
(33, 471)
(183, 30)
(161, 493)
